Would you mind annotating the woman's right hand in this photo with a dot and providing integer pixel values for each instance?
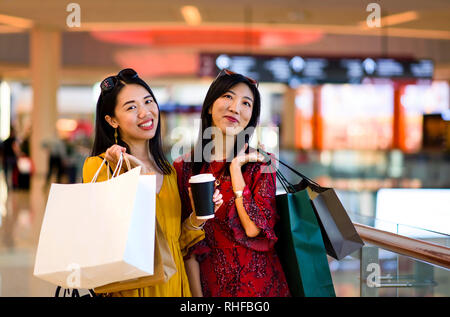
(113, 153)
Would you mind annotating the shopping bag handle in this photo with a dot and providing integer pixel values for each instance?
(116, 171)
(284, 182)
(118, 166)
(288, 187)
(75, 292)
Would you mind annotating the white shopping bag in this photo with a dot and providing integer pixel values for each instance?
(98, 233)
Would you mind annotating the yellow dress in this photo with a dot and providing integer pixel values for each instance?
(179, 237)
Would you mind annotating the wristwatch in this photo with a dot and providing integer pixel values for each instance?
(238, 193)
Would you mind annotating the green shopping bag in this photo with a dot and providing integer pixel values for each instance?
(300, 245)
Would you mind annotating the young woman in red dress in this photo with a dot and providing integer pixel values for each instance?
(237, 257)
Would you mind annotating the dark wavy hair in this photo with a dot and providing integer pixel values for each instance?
(218, 88)
(104, 132)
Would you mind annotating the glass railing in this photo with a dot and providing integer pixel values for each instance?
(383, 271)
(401, 229)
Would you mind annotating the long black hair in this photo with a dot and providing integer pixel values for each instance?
(218, 88)
(104, 132)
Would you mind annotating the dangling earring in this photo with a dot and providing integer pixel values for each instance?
(115, 135)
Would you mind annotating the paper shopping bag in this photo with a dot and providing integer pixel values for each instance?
(164, 268)
(338, 232)
(95, 234)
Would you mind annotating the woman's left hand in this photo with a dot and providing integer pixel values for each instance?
(242, 158)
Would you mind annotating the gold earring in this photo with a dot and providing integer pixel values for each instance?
(115, 135)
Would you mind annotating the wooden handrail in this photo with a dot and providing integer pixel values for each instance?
(418, 249)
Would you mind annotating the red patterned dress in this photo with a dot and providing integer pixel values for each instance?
(231, 263)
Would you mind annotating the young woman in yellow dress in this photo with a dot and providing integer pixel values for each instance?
(127, 123)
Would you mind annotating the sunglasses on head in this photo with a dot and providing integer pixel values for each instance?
(225, 71)
(110, 82)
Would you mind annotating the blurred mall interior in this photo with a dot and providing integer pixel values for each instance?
(356, 103)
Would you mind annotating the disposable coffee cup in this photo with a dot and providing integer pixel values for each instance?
(202, 188)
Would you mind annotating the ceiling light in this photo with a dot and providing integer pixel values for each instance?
(394, 19)
(15, 21)
(399, 18)
(191, 15)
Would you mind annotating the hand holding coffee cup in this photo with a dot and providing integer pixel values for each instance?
(204, 199)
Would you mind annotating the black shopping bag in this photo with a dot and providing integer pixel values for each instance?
(338, 232)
